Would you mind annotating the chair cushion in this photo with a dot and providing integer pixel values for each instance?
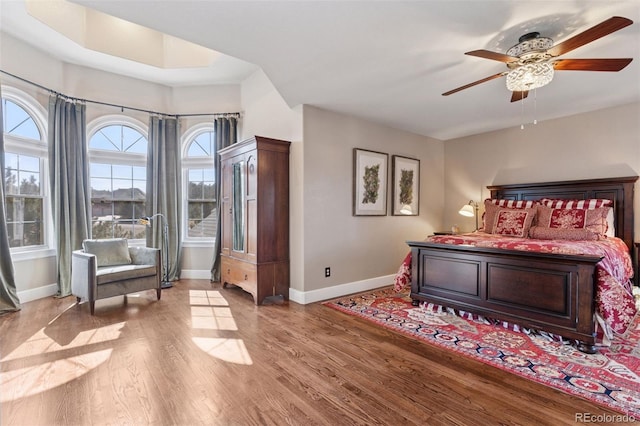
(108, 252)
(109, 274)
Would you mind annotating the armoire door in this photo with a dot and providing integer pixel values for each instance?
(252, 206)
(225, 207)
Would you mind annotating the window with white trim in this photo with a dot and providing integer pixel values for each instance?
(200, 182)
(118, 176)
(24, 171)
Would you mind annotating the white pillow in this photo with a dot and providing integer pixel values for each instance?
(109, 252)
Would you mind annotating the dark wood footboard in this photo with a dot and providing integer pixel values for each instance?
(549, 292)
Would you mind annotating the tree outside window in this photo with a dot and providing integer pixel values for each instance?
(24, 159)
(118, 182)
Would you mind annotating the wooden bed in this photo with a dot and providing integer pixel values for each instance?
(550, 292)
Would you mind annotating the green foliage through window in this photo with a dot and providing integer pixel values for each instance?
(118, 187)
(24, 200)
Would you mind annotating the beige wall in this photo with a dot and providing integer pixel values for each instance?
(355, 247)
(265, 113)
(598, 144)
(323, 230)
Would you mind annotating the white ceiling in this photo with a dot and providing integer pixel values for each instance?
(385, 61)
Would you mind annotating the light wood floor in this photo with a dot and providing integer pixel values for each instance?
(191, 360)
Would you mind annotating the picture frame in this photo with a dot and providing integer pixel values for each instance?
(406, 186)
(370, 182)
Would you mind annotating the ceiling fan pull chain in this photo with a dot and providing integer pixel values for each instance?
(522, 113)
(535, 106)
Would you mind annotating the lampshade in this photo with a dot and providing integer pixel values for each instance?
(529, 76)
(467, 210)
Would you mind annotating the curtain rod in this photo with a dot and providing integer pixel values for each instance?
(122, 107)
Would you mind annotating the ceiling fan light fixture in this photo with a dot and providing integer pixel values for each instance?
(530, 43)
(529, 76)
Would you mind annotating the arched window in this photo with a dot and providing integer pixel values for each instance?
(118, 176)
(200, 182)
(24, 173)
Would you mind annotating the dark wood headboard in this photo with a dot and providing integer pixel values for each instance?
(620, 190)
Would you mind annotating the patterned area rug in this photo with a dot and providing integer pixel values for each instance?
(610, 378)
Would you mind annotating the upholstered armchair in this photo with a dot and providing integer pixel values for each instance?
(109, 267)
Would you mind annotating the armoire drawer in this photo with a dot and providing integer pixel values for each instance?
(237, 272)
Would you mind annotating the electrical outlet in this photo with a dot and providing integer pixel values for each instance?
(327, 272)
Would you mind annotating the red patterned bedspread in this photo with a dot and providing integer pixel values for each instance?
(614, 299)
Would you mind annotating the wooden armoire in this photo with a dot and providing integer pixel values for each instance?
(255, 217)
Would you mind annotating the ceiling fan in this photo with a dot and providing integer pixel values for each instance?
(532, 61)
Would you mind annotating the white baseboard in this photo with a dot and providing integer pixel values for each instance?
(51, 289)
(196, 274)
(302, 297)
(305, 297)
(37, 293)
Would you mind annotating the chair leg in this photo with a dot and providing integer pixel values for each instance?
(158, 292)
(92, 305)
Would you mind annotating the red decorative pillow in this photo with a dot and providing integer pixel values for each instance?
(588, 204)
(593, 220)
(491, 206)
(508, 221)
(513, 222)
(542, 233)
(403, 276)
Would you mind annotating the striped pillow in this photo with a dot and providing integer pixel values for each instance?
(588, 204)
(512, 204)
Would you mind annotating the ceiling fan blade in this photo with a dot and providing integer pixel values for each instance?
(602, 29)
(466, 86)
(591, 64)
(518, 96)
(487, 54)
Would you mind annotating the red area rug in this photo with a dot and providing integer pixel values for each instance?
(610, 378)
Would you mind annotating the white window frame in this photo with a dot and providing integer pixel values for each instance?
(35, 148)
(115, 157)
(194, 163)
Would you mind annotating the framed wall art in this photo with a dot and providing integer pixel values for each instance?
(369, 182)
(406, 186)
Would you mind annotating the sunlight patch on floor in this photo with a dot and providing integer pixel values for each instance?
(229, 350)
(207, 298)
(29, 381)
(212, 318)
(41, 343)
(210, 312)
